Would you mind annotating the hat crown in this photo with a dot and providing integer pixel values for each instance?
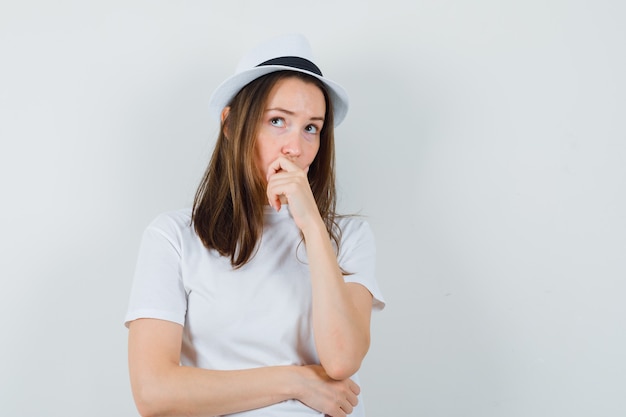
(285, 53)
(287, 45)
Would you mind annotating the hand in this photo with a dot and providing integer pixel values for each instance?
(288, 183)
(326, 395)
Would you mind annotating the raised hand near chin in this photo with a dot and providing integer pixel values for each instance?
(287, 183)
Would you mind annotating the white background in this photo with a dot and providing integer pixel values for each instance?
(485, 143)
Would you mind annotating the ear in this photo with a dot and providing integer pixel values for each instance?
(225, 113)
(224, 116)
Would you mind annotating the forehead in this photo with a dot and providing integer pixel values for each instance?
(297, 95)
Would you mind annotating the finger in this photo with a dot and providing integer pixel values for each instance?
(275, 195)
(347, 407)
(281, 164)
(353, 400)
(355, 388)
(285, 183)
(273, 169)
(338, 412)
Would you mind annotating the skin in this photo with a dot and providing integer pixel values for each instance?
(287, 143)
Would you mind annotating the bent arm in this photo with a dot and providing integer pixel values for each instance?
(161, 387)
(341, 311)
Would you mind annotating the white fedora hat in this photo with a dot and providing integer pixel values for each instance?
(285, 53)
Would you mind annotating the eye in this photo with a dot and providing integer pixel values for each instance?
(277, 121)
(312, 129)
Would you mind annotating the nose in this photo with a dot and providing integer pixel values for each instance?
(292, 147)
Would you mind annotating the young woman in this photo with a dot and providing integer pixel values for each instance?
(257, 301)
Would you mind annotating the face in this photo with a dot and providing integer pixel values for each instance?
(291, 124)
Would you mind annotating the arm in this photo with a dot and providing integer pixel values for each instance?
(161, 387)
(341, 311)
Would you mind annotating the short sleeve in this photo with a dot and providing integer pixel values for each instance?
(157, 290)
(357, 257)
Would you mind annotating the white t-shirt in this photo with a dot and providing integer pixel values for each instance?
(257, 315)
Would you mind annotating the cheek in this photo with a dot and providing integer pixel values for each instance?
(260, 163)
(312, 154)
(264, 155)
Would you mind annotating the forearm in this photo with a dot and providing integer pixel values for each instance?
(341, 329)
(177, 390)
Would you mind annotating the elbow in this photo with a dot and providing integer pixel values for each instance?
(341, 373)
(145, 405)
(341, 369)
(341, 363)
(148, 401)
(145, 411)
(344, 362)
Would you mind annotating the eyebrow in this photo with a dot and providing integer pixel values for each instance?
(289, 112)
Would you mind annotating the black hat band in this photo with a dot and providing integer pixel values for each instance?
(294, 62)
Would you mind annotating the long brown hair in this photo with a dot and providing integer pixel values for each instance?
(228, 207)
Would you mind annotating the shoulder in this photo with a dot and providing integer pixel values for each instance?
(177, 219)
(355, 232)
(172, 224)
(353, 225)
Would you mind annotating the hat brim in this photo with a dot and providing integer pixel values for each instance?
(230, 87)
